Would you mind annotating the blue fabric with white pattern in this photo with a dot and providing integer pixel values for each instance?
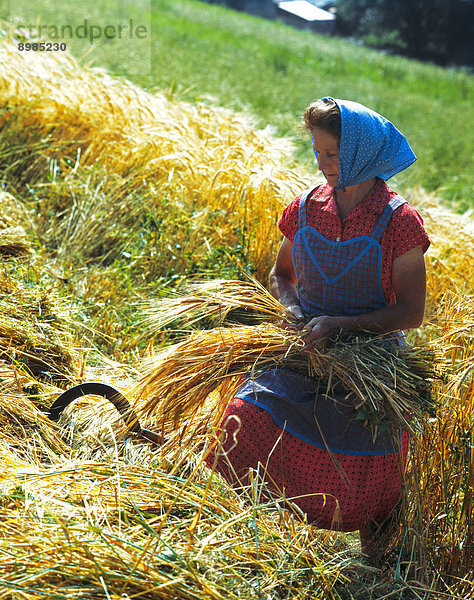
(371, 146)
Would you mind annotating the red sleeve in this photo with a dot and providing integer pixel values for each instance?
(288, 223)
(406, 231)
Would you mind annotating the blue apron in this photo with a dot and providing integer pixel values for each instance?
(333, 278)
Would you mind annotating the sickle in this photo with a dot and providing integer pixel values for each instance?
(114, 396)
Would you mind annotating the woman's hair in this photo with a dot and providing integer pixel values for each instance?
(323, 114)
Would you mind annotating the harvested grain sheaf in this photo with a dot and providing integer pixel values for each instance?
(14, 241)
(215, 301)
(384, 382)
(26, 432)
(12, 211)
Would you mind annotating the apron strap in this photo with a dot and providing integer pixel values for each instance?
(302, 208)
(385, 217)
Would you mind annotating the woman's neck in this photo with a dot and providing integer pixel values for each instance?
(352, 195)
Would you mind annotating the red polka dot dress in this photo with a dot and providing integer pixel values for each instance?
(307, 475)
(307, 444)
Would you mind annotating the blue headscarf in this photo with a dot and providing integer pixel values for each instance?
(370, 145)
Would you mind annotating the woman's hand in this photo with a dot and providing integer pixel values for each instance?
(298, 321)
(296, 311)
(319, 329)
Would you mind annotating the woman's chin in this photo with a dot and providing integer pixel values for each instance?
(331, 180)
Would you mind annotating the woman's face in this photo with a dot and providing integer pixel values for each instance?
(326, 149)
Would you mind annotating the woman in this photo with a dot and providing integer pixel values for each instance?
(351, 258)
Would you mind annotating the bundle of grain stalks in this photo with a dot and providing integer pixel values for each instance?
(34, 338)
(12, 212)
(35, 332)
(14, 240)
(215, 301)
(384, 382)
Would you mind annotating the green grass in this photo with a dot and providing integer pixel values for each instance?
(202, 52)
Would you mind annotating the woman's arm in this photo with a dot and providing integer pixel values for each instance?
(409, 284)
(283, 280)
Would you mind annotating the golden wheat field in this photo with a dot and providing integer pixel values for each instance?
(110, 196)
